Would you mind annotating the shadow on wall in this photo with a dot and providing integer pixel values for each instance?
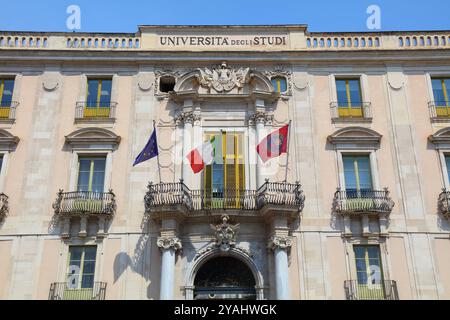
(139, 263)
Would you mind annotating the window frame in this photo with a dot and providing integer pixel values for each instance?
(2, 80)
(363, 152)
(245, 134)
(74, 167)
(278, 87)
(91, 169)
(80, 278)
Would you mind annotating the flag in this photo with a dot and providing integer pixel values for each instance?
(274, 145)
(150, 150)
(203, 155)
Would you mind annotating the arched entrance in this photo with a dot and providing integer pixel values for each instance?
(224, 278)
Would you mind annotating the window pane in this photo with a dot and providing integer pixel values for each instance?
(8, 88)
(349, 173)
(342, 92)
(365, 177)
(105, 97)
(92, 92)
(438, 92)
(87, 281)
(355, 92)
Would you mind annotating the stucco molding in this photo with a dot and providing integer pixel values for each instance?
(441, 139)
(359, 137)
(8, 142)
(86, 137)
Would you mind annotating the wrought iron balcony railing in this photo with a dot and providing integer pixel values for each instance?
(444, 203)
(439, 110)
(61, 291)
(8, 110)
(85, 202)
(95, 111)
(170, 195)
(4, 206)
(347, 112)
(383, 290)
(363, 201)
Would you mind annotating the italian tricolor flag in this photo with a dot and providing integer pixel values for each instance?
(203, 155)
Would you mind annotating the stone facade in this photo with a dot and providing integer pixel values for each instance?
(152, 240)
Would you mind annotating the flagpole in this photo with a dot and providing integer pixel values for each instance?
(157, 154)
(288, 149)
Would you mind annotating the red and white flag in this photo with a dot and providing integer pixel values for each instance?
(274, 145)
(202, 156)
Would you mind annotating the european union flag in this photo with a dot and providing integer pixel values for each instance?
(150, 150)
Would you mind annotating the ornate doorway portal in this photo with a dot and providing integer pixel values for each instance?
(224, 278)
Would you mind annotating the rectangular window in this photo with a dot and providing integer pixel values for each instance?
(369, 272)
(225, 178)
(447, 163)
(91, 174)
(81, 268)
(98, 101)
(6, 94)
(349, 98)
(441, 92)
(357, 173)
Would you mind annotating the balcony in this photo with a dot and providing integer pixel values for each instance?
(85, 203)
(439, 111)
(4, 207)
(61, 291)
(357, 112)
(95, 112)
(444, 203)
(8, 111)
(177, 197)
(384, 290)
(357, 202)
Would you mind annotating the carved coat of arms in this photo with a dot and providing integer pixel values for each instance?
(225, 234)
(223, 78)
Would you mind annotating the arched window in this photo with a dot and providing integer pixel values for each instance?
(279, 84)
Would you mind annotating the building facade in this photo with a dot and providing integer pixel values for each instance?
(358, 208)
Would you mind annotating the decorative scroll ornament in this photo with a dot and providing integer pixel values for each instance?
(223, 78)
(225, 234)
(283, 243)
(169, 243)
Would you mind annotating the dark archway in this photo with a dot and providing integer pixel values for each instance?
(224, 278)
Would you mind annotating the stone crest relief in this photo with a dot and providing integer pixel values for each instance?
(223, 78)
(225, 234)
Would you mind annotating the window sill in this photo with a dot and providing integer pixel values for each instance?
(352, 120)
(7, 121)
(95, 120)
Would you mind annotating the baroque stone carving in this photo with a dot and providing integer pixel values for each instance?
(223, 78)
(283, 243)
(169, 243)
(225, 234)
(261, 117)
(188, 117)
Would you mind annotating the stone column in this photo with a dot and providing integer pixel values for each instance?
(280, 247)
(260, 119)
(169, 247)
(187, 119)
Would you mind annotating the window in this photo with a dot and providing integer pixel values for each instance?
(358, 177)
(279, 84)
(81, 268)
(166, 84)
(369, 272)
(225, 178)
(6, 94)
(1, 161)
(447, 163)
(441, 92)
(91, 174)
(98, 101)
(349, 98)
